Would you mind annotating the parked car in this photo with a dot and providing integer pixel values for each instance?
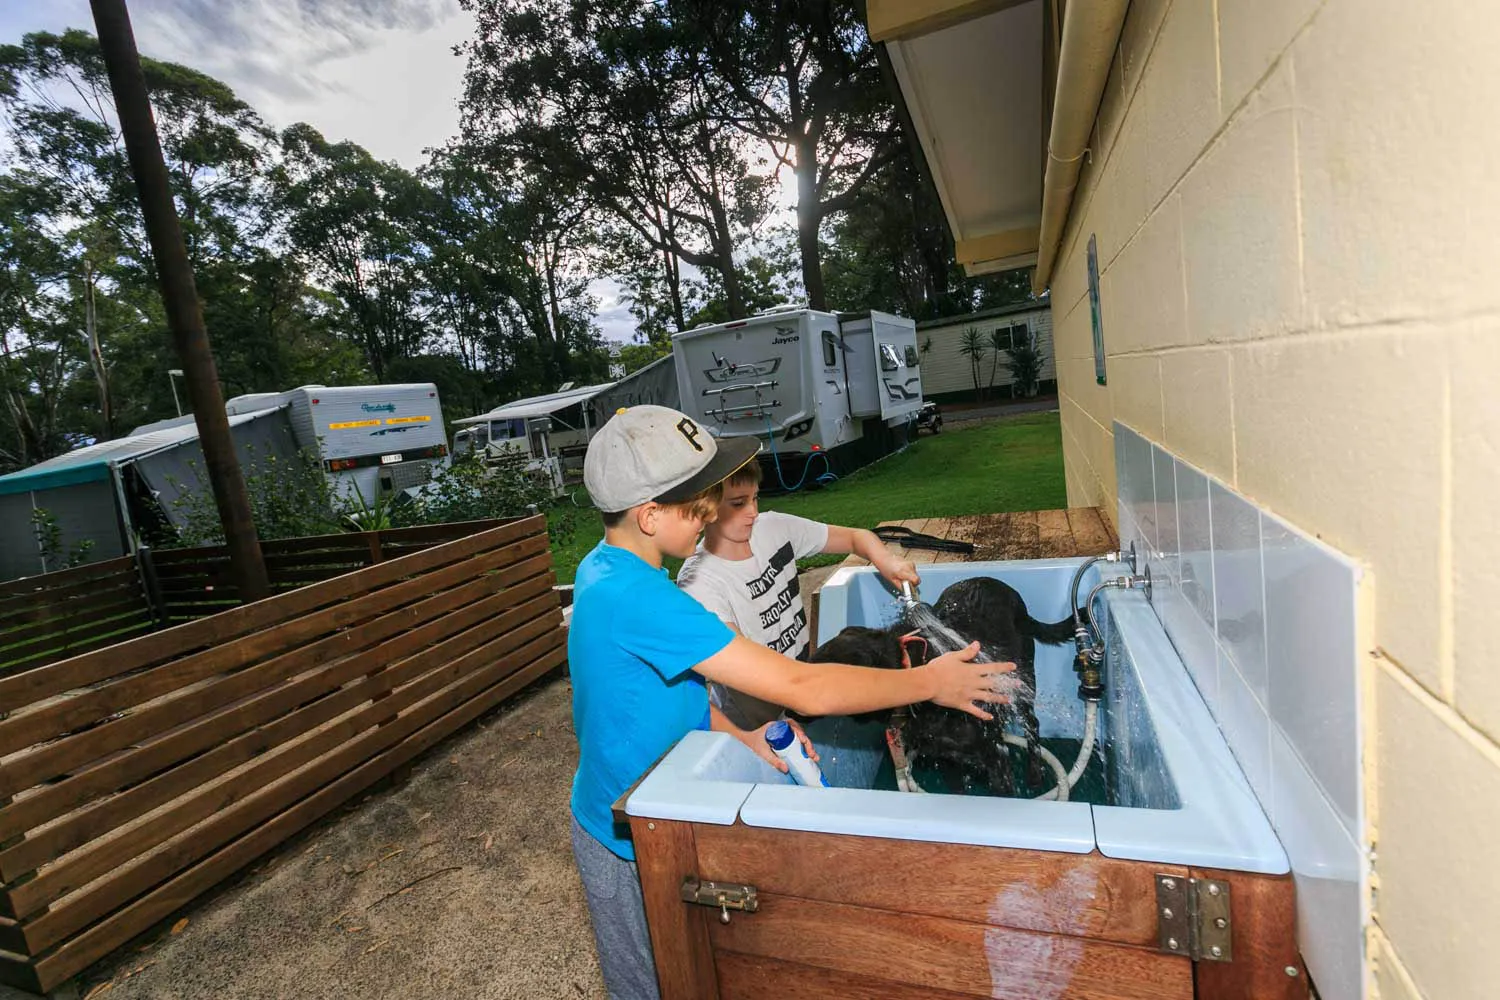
(930, 418)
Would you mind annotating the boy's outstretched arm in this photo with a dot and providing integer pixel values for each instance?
(952, 680)
(865, 544)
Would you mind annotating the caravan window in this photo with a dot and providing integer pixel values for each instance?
(505, 430)
(911, 356)
(830, 349)
(889, 360)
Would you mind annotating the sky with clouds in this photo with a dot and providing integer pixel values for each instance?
(379, 72)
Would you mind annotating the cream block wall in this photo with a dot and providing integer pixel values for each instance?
(1298, 225)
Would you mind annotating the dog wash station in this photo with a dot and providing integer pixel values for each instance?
(1163, 881)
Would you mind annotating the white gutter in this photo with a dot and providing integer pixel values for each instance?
(1090, 34)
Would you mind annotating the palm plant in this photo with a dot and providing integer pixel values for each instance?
(973, 347)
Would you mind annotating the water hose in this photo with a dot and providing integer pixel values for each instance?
(826, 478)
(1066, 780)
(1080, 635)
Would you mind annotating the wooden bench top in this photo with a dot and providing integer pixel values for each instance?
(1028, 534)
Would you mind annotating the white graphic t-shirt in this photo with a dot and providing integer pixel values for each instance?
(759, 596)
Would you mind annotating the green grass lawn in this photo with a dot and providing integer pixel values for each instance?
(1011, 464)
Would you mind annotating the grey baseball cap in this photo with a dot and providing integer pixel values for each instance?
(654, 453)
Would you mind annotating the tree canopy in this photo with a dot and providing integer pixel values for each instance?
(644, 141)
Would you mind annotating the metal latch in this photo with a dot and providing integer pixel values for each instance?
(721, 896)
(1193, 918)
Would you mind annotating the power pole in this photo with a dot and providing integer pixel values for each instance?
(180, 295)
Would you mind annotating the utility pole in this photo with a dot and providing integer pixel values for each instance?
(180, 295)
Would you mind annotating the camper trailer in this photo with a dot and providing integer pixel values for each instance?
(105, 497)
(373, 439)
(807, 381)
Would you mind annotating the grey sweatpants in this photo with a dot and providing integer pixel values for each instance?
(613, 889)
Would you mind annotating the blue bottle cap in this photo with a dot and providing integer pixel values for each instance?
(779, 735)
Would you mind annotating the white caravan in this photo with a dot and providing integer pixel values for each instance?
(848, 385)
(376, 439)
(545, 430)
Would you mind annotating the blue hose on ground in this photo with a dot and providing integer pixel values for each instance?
(826, 478)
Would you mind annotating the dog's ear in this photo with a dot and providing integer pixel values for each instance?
(862, 647)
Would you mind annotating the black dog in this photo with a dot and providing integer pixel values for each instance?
(962, 748)
(994, 613)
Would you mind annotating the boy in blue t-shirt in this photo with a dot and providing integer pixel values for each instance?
(639, 650)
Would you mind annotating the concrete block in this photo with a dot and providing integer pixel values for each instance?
(1072, 331)
(1096, 218)
(1476, 530)
(1126, 206)
(1137, 36)
(1088, 483)
(1111, 109)
(1069, 281)
(1252, 35)
(1135, 392)
(1144, 305)
(1077, 376)
(1399, 201)
(1197, 419)
(1391, 976)
(1182, 95)
(1239, 225)
(1439, 797)
(1343, 437)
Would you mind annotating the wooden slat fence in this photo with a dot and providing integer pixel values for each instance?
(134, 778)
(197, 581)
(57, 615)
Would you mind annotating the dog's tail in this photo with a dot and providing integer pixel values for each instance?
(1054, 633)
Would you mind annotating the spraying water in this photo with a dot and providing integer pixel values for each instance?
(941, 638)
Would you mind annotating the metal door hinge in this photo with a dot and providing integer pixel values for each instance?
(722, 896)
(1192, 918)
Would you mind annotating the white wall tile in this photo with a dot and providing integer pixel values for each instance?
(1330, 872)
(1166, 508)
(1239, 593)
(1196, 542)
(1311, 655)
(1247, 728)
(1135, 476)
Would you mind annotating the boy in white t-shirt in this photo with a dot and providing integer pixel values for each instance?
(745, 572)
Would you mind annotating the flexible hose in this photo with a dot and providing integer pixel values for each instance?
(827, 476)
(1060, 793)
(1085, 751)
(1065, 779)
(1077, 582)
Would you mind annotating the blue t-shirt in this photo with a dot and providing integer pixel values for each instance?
(632, 646)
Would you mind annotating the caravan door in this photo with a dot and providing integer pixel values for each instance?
(897, 366)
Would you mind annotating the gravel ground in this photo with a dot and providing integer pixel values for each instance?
(456, 883)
